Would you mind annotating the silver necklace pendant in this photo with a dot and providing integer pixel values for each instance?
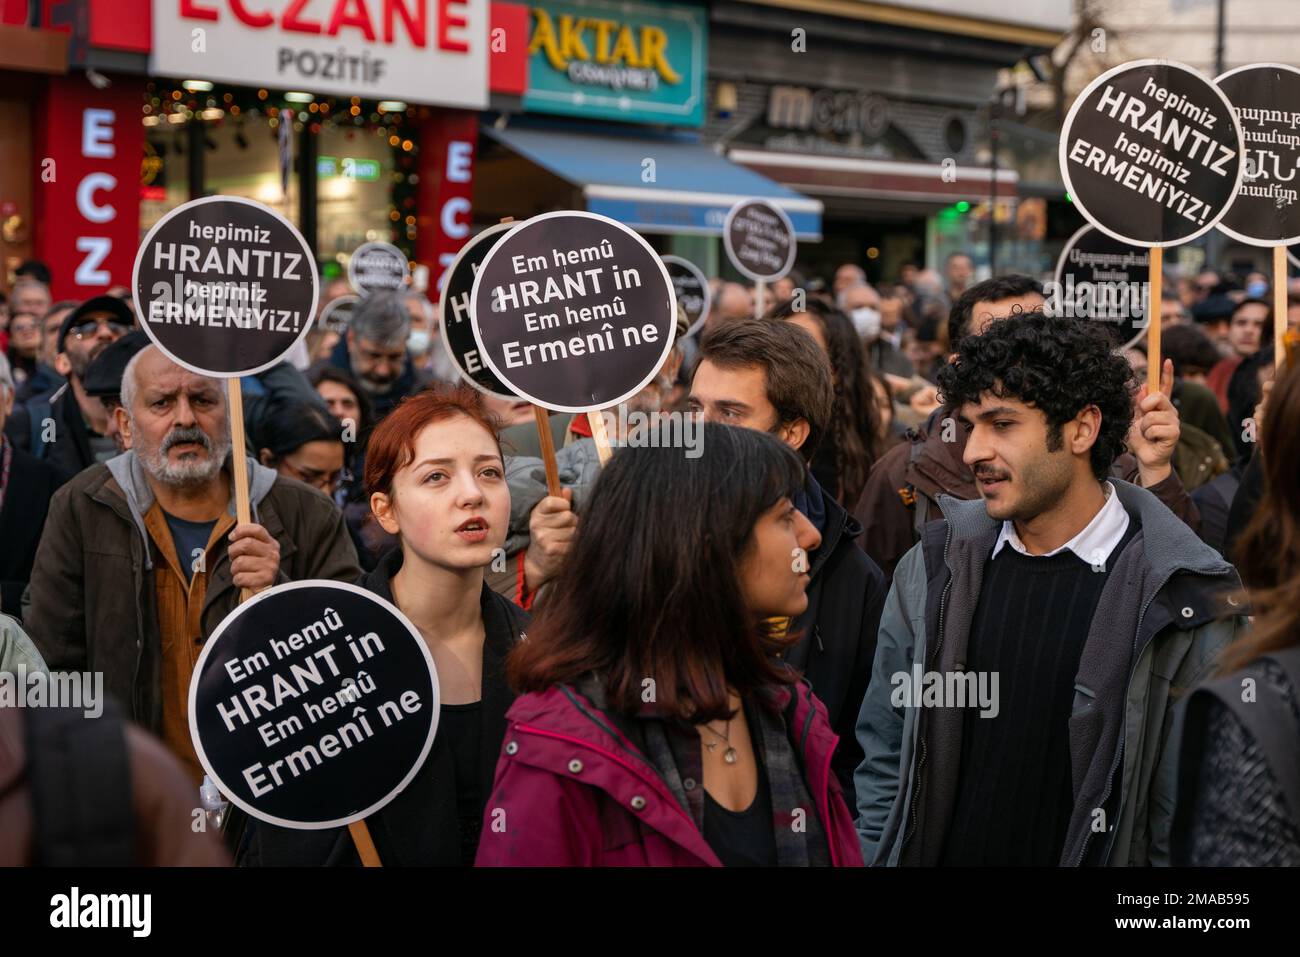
(730, 756)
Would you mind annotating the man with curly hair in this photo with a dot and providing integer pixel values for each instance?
(903, 489)
(1034, 641)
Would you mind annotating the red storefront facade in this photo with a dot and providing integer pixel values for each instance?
(103, 141)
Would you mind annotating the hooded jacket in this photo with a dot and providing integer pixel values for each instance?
(906, 483)
(92, 603)
(572, 790)
(1166, 612)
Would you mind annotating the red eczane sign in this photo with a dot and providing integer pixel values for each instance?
(86, 194)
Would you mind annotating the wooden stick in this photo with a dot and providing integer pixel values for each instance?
(365, 846)
(1155, 284)
(1279, 306)
(553, 486)
(238, 461)
(758, 298)
(601, 437)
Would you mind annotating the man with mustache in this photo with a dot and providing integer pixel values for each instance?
(905, 484)
(1079, 599)
(142, 557)
(375, 351)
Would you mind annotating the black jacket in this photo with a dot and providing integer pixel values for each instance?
(409, 382)
(32, 483)
(419, 826)
(838, 647)
(70, 451)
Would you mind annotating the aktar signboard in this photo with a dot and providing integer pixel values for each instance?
(642, 62)
(421, 51)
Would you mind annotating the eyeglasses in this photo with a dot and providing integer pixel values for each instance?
(84, 330)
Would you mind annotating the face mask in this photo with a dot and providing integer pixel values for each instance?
(1256, 290)
(417, 343)
(867, 321)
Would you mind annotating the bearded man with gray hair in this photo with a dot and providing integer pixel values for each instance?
(142, 556)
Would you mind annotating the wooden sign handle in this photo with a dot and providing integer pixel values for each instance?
(238, 461)
(600, 436)
(1155, 283)
(1279, 306)
(365, 845)
(759, 289)
(553, 486)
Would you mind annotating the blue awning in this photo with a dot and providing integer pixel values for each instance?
(690, 192)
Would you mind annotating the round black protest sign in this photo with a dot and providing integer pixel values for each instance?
(1098, 277)
(694, 297)
(313, 704)
(454, 309)
(573, 311)
(1151, 153)
(375, 267)
(337, 314)
(1266, 211)
(224, 286)
(760, 239)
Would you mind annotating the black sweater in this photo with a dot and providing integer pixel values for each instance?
(421, 824)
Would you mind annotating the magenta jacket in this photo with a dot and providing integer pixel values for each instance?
(571, 791)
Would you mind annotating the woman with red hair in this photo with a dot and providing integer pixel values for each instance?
(436, 480)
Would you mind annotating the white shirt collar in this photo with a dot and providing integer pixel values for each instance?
(1094, 544)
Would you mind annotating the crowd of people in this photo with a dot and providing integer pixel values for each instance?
(934, 591)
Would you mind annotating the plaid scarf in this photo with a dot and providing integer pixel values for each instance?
(673, 748)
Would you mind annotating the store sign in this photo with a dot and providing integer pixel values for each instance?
(348, 167)
(622, 61)
(87, 151)
(839, 112)
(446, 189)
(421, 51)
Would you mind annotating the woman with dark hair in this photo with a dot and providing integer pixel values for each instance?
(657, 724)
(303, 441)
(853, 442)
(437, 482)
(344, 397)
(1238, 784)
(348, 403)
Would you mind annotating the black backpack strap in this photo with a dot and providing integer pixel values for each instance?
(1269, 722)
(80, 776)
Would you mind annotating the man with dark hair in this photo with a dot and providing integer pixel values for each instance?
(903, 490)
(1033, 645)
(770, 375)
(69, 427)
(958, 271)
(1246, 329)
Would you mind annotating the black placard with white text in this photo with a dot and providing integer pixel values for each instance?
(759, 238)
(1104, 280)
(224, 286)
(377, 267)
(1151, 153)
(1266, 210)
(694, 297)
(453, 308)
(313, 704)
(337, 314)
(573, 311)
